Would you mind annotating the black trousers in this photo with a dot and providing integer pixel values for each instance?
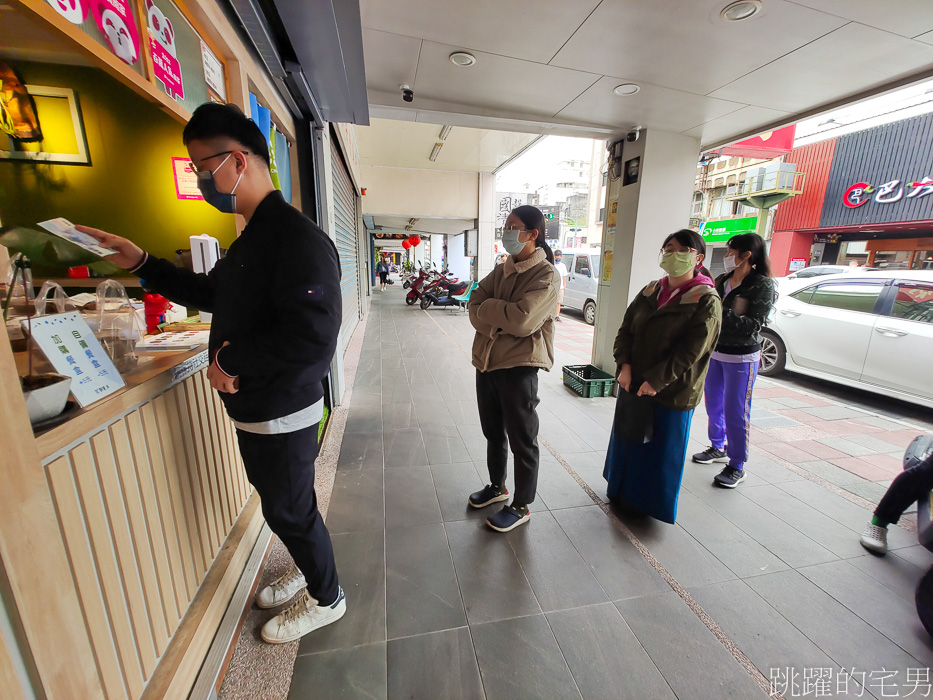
(281, 467)
(908, 487)
(507, 400)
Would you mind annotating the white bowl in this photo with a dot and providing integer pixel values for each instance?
(48, 401)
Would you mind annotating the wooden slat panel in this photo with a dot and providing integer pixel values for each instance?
(230, 455)
(225, 471)
(9, 680)
(158, 530)
(126, 552)
(196, 528)
(202, 429)
(200, 488)
(145, 557)
(189, 556)
(85, 574)
(106, 564)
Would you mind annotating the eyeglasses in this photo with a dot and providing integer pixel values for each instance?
(689, 250)
(195, 169)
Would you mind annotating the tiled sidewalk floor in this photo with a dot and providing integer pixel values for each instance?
(441, 607)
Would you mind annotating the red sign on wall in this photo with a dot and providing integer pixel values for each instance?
(766, 145)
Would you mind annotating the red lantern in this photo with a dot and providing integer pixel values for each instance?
(415, 240)
(406, 245)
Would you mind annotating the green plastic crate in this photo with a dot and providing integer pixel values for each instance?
(588, 381)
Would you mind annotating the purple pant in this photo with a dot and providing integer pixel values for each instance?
(729, 407)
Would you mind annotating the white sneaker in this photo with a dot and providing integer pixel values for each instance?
(282, 590)
(875, 539)
(302, 617)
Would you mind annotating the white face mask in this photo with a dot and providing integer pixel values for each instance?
(729, 263)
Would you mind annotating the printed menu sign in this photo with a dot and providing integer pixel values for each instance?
(70, 345)
(186, 182)
(213, 72)
(165, 65)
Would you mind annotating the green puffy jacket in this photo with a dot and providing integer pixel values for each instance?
(741, 332)
(670, 347)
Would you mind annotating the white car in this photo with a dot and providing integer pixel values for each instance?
(870, 330)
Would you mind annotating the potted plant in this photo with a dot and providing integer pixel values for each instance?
(46, 394)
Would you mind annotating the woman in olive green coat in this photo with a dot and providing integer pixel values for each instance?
(662, 353)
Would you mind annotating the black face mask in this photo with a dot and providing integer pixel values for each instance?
(219, 200)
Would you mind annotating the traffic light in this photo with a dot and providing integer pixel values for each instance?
(549, 216)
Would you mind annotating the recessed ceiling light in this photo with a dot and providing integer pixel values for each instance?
(626, 89)
(741, 10)
(462, 59)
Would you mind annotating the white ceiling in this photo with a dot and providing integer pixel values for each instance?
(549, 66)
(394, 224)
(400, 144)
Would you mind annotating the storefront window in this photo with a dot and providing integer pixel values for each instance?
(893, 259)
(914, 302)
(923, 260)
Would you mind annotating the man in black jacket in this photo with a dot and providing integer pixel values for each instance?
(276, 304)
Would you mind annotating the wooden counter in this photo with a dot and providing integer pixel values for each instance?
(148, 519)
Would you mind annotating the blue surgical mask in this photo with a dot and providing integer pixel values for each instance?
(510, 241)
(219, 200)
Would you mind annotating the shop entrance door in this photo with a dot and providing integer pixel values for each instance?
(346, 232)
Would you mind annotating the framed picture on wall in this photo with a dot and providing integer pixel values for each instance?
(63, 137)
(630, 176)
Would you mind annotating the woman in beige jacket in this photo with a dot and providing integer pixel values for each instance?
(512, 311)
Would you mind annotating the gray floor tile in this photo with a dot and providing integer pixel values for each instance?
(833, 412)
(690, 658)
(605, 657)
(434, 666)
(880, 607)
(398, 416)
(727, 542)
(404, 448)
(453, 484)
(492, 582)
(365, 419)
(520, 658)
(361, 451)
(771, 642)
(841, 634)
(876, 444)
(788, 544)
(848, 446)
(677, 551)
(557, 487)
(819, 527)
(832, 473)
(359, 672)
(892, 571)
(618, 566)
(422, 594)
(410, 498)
(868, 490)
(396, 393)
(356, 503)
(557, 573)
(768, 470)
(917, 555)
(844, 511)
(361, 567)
(445, 449)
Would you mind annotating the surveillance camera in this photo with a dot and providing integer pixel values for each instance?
(407, 93)
(633, 135)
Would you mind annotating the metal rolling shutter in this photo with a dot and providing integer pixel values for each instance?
(345, 228)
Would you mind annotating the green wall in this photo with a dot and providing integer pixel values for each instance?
(129, 188)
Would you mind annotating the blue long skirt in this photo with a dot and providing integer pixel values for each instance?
(646, 475)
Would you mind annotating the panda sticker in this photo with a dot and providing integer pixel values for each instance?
(115, 21)
(165, 65)
(75, 11)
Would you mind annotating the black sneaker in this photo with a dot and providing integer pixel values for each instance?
(710, 455)
(729, 478)
(487, 496)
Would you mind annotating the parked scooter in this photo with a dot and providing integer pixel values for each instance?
(445, 297)
(416, 288)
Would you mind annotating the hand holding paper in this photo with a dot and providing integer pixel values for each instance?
(121, 252)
